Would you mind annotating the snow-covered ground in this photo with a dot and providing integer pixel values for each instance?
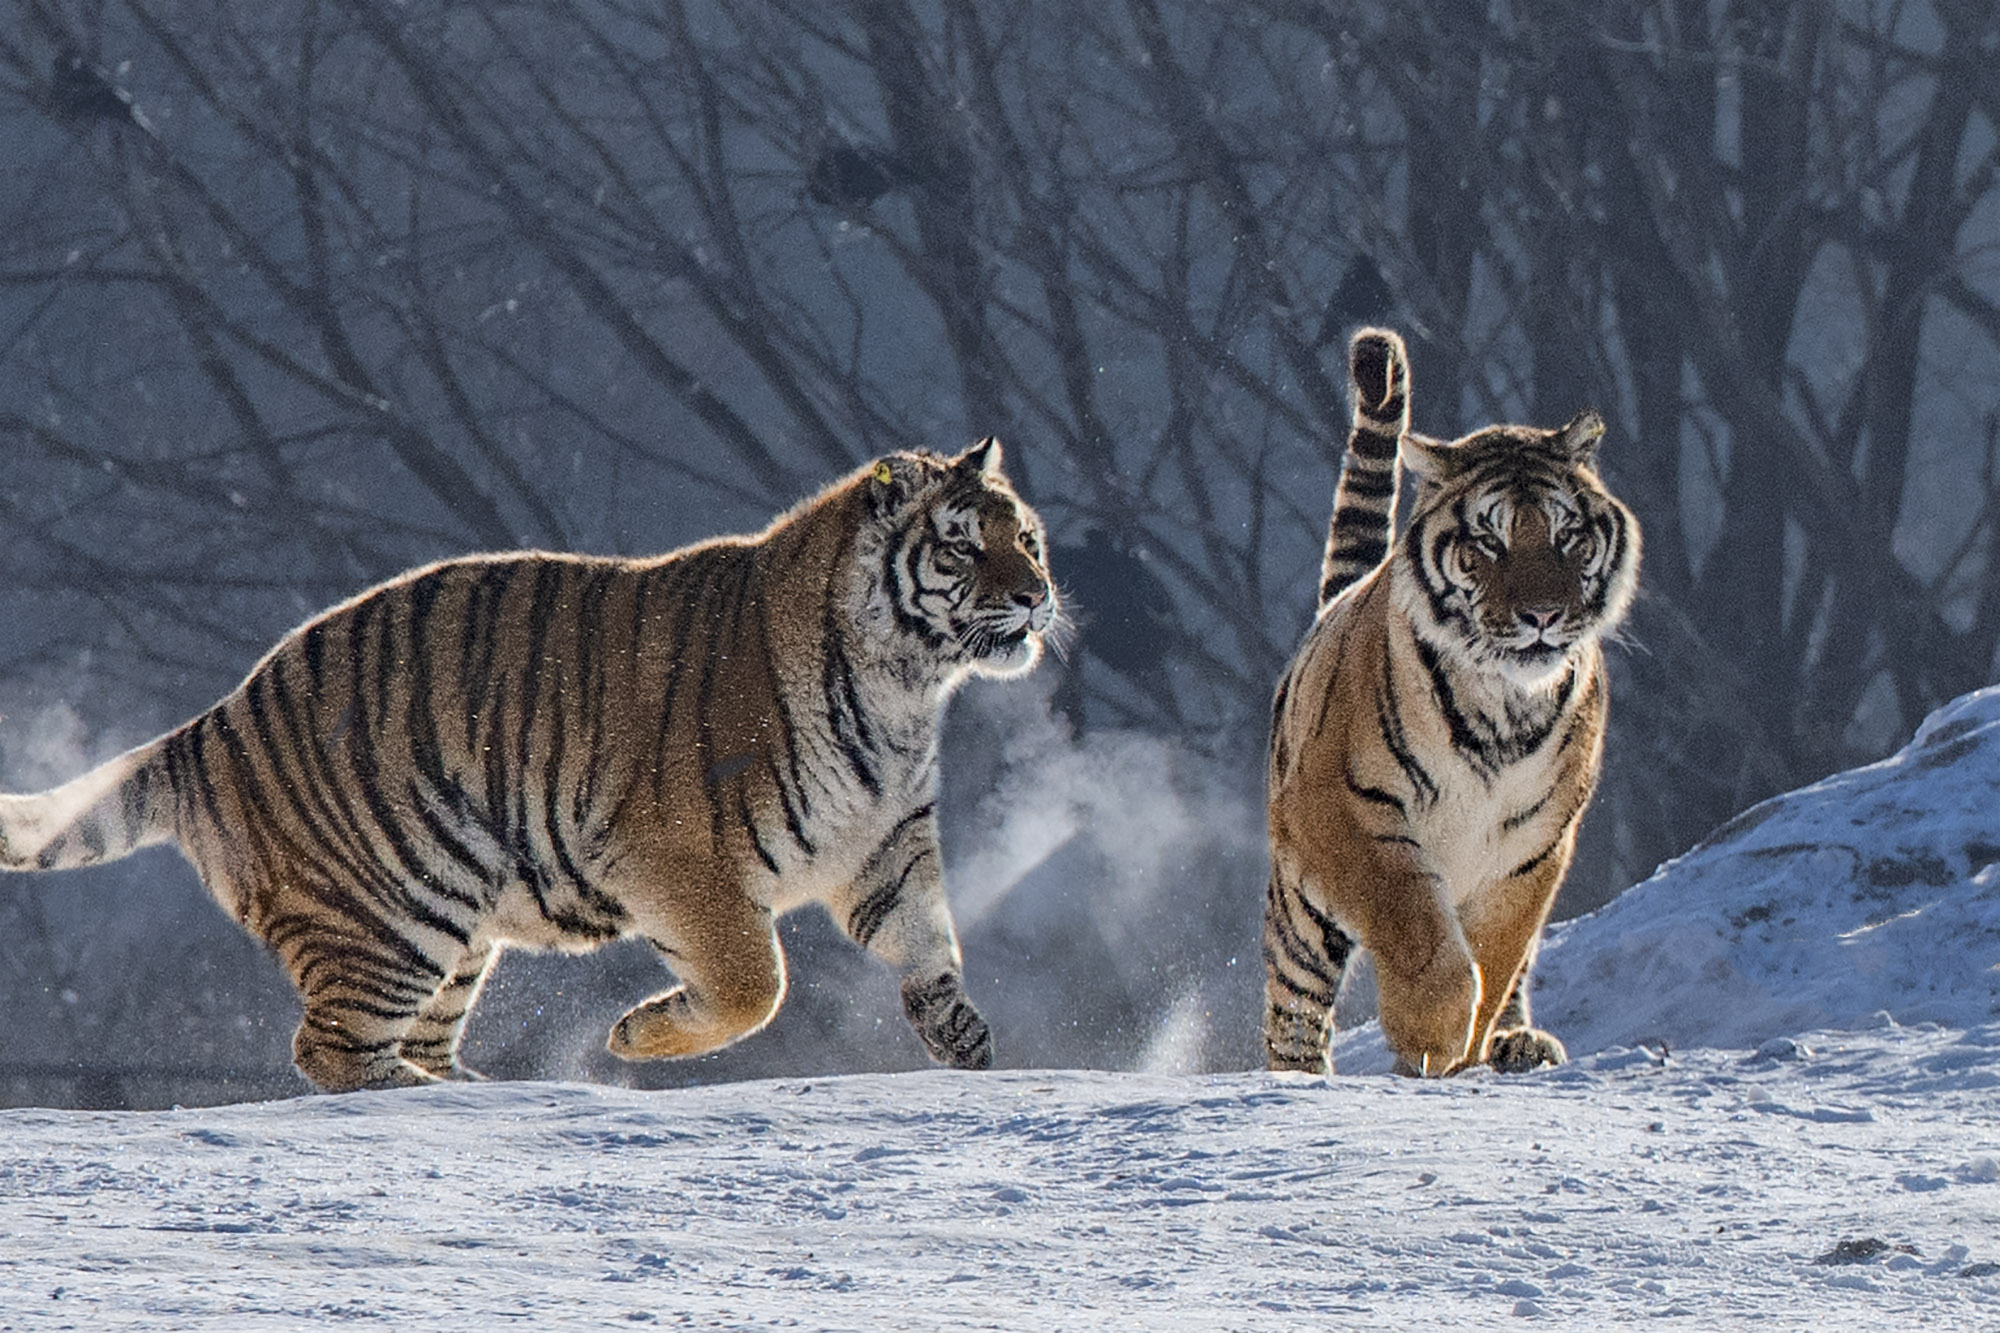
(1782, 1113)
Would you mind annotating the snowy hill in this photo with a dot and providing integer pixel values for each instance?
(1872, 896)
(1782, 1112)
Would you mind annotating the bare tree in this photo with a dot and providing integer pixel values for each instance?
(293, 295)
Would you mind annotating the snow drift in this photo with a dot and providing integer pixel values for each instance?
(1871, 896)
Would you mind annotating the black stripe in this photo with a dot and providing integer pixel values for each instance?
(1375, 795)
(552, 792)
(872, 911)
(446, 836)
(1529, 865)
(693, 588)
(867, 916)
(748, 819)
(420, 722)
(1375, 442)
(1437, 591)
(727, 623)
(903, 825)
(1362, 484)
(843, 706)
(546, 803)
(479, 643)
(1520, 817)
(541, 615)
(1464, 737)
(388, 666)
(794, 821)
(405, 883)
(1389, 725)
(263, 828)
(899, 568)
(1284, 957)
(204, 777)
(1335, 940)
(1297, 949)
(312, 643)
(1362, 554)
(592, 673)
(313, 793)
(789, 780)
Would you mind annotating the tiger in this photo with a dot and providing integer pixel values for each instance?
(553, 751)
(1440, 730)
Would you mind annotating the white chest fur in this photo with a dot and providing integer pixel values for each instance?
(1498, 754)
(1474, 833)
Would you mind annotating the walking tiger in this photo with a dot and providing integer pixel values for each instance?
(1439, 733)
(554, 751)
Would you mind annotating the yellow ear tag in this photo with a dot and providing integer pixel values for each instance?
(883, 474)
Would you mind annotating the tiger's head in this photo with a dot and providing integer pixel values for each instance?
(964, 566)
(1517, 558)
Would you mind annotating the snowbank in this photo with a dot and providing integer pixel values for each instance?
(1871, 897)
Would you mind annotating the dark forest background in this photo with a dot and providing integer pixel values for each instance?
(297, 293)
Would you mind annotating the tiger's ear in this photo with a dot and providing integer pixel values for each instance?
(1578, 440)
(1433, 460)
(981, 460)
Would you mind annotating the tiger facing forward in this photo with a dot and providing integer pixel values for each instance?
(1439, 733)
(555, 751)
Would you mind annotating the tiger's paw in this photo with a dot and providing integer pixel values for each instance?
(951, 1029)
(1524, 1049)
(1427, 1015)
(661, 1028)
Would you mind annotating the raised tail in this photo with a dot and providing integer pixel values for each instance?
(1364, 504)
(109, 812)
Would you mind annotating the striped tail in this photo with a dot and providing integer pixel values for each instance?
(1364, 504)
(109, 812)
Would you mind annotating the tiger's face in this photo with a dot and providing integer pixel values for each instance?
(966, 568)
(1521, 556)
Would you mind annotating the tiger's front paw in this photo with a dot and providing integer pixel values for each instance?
(1427, 1016)
(1523, 1049)
(951, 1029)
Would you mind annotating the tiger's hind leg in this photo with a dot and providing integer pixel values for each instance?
(1305, 958)
(896, 909)
(432, 1041)
(362, 994)
(732, 979)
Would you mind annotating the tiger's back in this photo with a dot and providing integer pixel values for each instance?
(555, 751)
(1439, 732)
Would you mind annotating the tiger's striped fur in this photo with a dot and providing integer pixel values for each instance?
(555, 751)
(1439, 733)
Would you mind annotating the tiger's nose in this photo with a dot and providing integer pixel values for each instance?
(1541, 619)
(1039, 605)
